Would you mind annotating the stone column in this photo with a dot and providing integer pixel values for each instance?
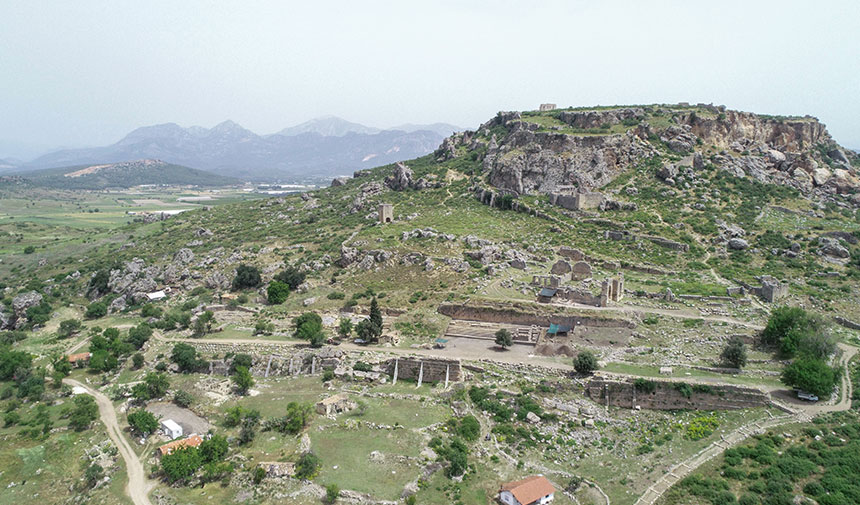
(313, 365)
(268, 365)
(291, 366)
(420, 374)
(447, 374)
(396, 362)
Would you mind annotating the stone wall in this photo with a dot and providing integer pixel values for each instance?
(493, 314)
(268, 360)
(667, 396)
(434, 369)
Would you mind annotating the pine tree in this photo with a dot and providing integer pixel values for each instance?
(375, 318)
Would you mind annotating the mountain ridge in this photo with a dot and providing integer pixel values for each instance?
(124, 174)
(232, 150)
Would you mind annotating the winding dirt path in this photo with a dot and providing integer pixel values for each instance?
(138, 486)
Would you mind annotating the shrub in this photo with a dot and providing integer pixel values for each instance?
(96, 310)
(137, 360)
(183, 398)
(293, 422)
(246, 277)
(735, 353)
(243, 380)
(504, 338)
(585, 362)
(308, 466)
(701, 427)
(291, 276)
(644, 385)
(68, 328)
(142, 422)
(812, 375)
(469, 428)
(277, 292)
(332, 491)
(85, 411)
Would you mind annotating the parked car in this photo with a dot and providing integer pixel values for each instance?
(803, 395)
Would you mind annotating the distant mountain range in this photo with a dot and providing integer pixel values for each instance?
(321, 147)
(122, 175)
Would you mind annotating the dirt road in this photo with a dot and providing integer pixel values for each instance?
(139, 486)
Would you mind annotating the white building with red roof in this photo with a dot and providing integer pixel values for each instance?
(535, 490)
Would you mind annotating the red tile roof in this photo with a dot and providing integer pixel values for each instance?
(530, 489)
(192, 441)
(78, 357)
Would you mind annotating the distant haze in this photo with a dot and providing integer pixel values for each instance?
(85, 73)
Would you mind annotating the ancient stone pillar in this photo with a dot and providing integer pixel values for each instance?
(268, 365)
(420, 374)
(313, 365)
(396, 362)
(447, 374)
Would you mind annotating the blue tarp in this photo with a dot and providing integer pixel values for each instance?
(548, 292)
(555, 329)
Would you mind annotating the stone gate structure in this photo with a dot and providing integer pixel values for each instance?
(423, 370)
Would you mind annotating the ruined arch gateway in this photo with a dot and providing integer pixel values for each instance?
(386, 213)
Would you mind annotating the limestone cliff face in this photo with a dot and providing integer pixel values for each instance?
(788, 135)
(587, 149)
(533, 161)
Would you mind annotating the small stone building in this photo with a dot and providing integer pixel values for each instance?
(386, 213)
(546, 107)
(335, 404)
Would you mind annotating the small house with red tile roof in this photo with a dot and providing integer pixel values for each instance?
(535, 490)
(80, 359)
(192, 441)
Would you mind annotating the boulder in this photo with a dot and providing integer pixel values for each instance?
(183, 256)
(24, 301)
(118, 304)
(820, 176)
(775, 157)
(217, 280)
(738, 244)
(339, 181)
(832, 247)
(348, 256)
(400, 178)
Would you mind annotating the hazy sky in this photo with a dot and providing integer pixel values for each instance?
(86, 72)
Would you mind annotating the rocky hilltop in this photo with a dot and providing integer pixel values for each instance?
(586, 149)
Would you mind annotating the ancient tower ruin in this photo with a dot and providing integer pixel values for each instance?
(386, 213)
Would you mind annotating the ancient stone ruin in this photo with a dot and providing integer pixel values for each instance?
(577, 200)
(581, 270)
(386, 213)
(422, 370)
(335, 404)
(547, 107)
(612, 290)
(666, 395)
